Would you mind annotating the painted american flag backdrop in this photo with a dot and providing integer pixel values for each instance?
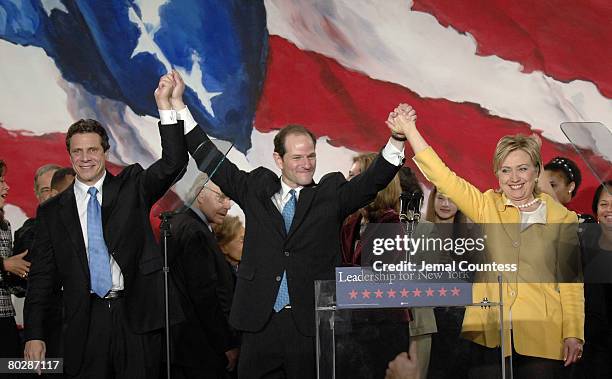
(474, 70)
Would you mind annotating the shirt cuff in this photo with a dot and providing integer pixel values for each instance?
(393, 155)
(167, 116)
(187, 118)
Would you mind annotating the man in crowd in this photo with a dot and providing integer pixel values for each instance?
(24, 236)
(44, 181)
(95, 240)
(204, 345)
(292, 239)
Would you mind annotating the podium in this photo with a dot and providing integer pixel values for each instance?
(358, 340)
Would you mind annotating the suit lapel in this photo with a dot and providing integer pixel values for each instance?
(110, 189)
(70, 217)
(275, 215)
(303, 204)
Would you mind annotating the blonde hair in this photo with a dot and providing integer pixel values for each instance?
(508, 144)
(227, 230)
(387, 198)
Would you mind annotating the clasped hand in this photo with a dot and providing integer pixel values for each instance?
(402, 121)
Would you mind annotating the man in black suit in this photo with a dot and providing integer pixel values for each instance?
(24, 239)
(203, 346)
(96, 240)
(292, 239)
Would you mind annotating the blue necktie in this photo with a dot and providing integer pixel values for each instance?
(99, 260)
(282, 298)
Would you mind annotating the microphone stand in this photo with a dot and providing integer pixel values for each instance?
(164, 228)
(410, 210)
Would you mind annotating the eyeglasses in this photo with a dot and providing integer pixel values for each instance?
(221, 198)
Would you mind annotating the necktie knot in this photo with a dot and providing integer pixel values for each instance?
(92, 191)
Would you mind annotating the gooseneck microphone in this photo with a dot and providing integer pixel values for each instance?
(410, 210)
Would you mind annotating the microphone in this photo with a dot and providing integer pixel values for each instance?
(410, 206)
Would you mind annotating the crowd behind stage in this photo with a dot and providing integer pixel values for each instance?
(242, 299)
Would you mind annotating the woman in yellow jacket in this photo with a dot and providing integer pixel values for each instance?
(543, 309)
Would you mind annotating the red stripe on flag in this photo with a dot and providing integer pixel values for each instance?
(24, 154)
(567, 40)
(349, 107)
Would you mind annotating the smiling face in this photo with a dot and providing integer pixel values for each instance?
(445, 208)
(517, 177)
(604, 210)
(299, 162)
(88, 157)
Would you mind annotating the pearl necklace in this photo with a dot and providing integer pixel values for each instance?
(527, 205)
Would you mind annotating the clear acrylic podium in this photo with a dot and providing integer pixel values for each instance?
(359, 343)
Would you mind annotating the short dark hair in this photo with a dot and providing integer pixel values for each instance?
(60, 175)
(87, 126)
(569, 169)
(281, 136)
(608, 184)
(2, 167)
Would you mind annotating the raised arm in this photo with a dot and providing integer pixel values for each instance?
(158, 177)
(232, 181)
(362, 189)
(467, 197)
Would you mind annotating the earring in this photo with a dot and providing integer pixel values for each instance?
(570, 191)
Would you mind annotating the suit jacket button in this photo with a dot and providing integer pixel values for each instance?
(516, 244)
(278, 278)
(286, 253)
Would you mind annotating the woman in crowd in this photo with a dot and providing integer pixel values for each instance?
(371, 221)
(449, 353)
(230, 236)
(11, 267)
(544, 318)
(596, 242)
(564, 177)
(384, 209)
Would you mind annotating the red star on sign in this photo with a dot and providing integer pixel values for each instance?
(429, 292)
(391, 293)
(378, 293)
(417, 292)
(405, 292)
(353, 294)
(366, 294)
(442, 291)
(455, 291)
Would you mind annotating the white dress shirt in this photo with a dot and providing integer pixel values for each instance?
(281, 198)
(170, 116)
(82, 199)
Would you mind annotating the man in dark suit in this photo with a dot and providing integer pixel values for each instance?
(24, 239)
(292, 239)
(204, 345)
(96, 240)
